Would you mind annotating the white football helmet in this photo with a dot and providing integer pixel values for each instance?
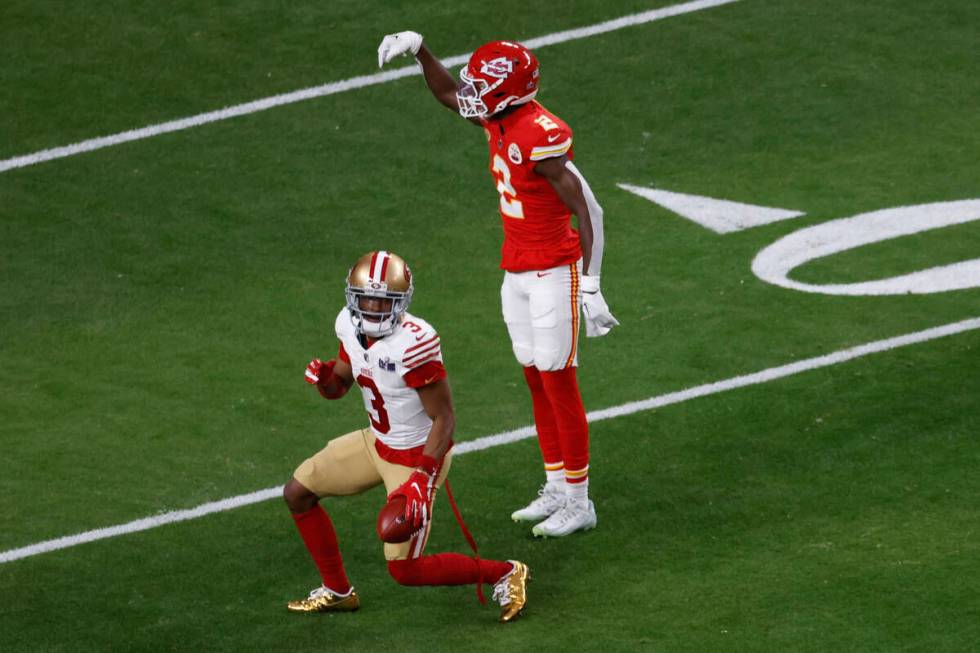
(384, 276)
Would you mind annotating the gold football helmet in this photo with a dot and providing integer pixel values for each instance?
(382, 276)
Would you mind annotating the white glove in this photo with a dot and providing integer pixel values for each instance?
(396, 44)
(598, 319)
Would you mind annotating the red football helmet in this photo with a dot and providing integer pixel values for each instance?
(500, 74)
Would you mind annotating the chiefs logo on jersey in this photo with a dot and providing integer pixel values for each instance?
(499, 67)
(514, 154)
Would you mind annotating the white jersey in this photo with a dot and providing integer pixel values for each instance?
(398, 418)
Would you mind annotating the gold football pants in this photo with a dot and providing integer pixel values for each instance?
(350, 465)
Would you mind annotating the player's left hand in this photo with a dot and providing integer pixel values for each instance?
(418, 491)
(399, 43)
(599, 319)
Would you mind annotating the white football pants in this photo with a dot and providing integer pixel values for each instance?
(541, 309)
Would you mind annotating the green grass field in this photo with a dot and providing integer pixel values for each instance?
(159, 300)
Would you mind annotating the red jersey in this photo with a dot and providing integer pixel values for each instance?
(537, 224)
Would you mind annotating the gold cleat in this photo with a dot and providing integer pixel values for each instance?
(323, 600)
(511, 591)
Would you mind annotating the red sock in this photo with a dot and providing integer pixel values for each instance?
(447, 569)
(561, 387)
(544, 419)
(320, 539)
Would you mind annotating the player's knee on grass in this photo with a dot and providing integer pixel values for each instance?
(298, 498)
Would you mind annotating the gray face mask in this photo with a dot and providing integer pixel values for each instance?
(377, 324)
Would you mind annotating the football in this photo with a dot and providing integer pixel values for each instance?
(392, 526)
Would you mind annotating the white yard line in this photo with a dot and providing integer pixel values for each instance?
(498, 439)
(339, 87)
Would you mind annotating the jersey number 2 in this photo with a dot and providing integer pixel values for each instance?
(381, 424)
(509, 204)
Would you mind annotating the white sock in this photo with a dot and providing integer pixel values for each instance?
(555, 478)
(577, 490)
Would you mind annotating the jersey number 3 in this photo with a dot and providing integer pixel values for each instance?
(381, 424)
(509, 204)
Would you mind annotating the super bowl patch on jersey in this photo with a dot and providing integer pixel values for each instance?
(514, 153)
(386, 364)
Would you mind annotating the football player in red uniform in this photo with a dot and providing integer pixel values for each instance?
(396, 359)
(551, 269)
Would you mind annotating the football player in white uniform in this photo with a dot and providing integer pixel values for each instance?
(396, 360)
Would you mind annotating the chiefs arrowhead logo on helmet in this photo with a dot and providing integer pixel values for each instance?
(499, 67)
(499, 74)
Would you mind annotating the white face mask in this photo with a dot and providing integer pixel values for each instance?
(470, 98)
(472, 90)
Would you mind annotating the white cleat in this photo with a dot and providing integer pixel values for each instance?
(550, 499)
(575, 515)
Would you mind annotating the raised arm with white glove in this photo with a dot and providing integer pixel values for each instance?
(396, 44)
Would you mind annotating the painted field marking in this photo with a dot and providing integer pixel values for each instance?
(774, 263)
(523, 433)
(720, 216)
(341, 87)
